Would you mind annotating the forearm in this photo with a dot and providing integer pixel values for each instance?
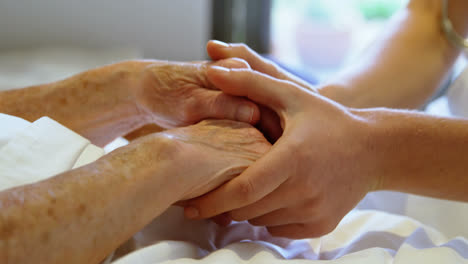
(406, 65)
(97, 104)
(81, 216)
(417, 153)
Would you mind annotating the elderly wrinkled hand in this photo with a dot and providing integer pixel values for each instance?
(174, 94)
(111, 101)
(212, 152)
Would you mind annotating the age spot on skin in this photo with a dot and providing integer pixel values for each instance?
(81, 209)
(63, 101)
(6, 230)
(51, 213)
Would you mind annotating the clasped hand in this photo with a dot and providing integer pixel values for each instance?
(318, 169)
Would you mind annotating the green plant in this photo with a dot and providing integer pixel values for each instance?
(377, 9)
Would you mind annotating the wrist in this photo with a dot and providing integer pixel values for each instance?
(105, 108)
(151, 163)
(371, 136)
(138, 79)
(119, 82)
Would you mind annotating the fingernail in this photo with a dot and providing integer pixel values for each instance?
(191, 212)
(220, 43)
(244, 113)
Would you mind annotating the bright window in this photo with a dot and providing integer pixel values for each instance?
(320, 36)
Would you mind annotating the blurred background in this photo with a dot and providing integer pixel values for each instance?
(314, 37)
(323, 35)
(45, 40)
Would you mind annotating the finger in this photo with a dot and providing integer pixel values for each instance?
(222, 219)
(272, 202)
(260, 179)
(260, 88)
(226, 62)
(302, 230)
(218, 50)
(231, 63)
(219, 105)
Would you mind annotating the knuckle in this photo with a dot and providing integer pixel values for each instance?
(247, 76)
(246, 190)
(273, 68)
(190, 113)
(218, 105)
(240, 63)
(223, 106)
(244, 48)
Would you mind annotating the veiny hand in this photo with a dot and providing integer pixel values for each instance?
(212, 152)
(316, 172)
(177, 94)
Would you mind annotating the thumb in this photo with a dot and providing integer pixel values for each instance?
(219, 105)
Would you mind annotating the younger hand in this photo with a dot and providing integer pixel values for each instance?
(269, 123)
(316, 172)
(218, 50)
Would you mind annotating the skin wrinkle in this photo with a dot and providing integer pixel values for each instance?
(201, 76)
(116, 99)
(252, 154)
(99, 206)
(164, 93)
(227, 145)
